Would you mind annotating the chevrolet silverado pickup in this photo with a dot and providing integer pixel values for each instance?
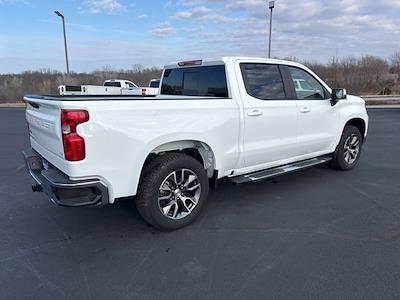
(243, 118)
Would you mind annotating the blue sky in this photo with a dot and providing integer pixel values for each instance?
(122, 33)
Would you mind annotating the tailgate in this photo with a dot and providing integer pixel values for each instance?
(44, 121)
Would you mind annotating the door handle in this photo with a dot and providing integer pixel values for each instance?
(255, 113)
(305, 109)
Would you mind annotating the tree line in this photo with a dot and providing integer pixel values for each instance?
(13, 87)
(361, 76)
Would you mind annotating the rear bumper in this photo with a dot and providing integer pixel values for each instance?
(62, 190)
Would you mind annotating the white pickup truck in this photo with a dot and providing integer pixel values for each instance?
(237, 117)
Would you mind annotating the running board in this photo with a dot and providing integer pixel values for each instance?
(274, 172)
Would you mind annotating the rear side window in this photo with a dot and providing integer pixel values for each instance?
(209, 81)
(263, 81)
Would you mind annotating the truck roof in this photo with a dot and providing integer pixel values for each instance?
(115, 80)
(226, 59)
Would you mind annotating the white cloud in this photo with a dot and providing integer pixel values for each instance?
(307, 29)
(199, 2)
(197, 12)
(105, 6)
(202, 14)
(143, 16)
(163, 30)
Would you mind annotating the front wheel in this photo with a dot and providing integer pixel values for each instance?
(348, 151)
(173, 192)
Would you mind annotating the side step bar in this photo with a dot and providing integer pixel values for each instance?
(274, 172)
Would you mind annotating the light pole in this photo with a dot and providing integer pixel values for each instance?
(271, 7)
(65, 38)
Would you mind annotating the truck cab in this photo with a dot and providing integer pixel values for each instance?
(120, 83)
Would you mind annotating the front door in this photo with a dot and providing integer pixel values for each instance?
(270, 118)
(318, 120)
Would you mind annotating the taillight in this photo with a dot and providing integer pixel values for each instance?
(74, 145)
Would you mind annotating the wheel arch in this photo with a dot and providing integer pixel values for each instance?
(197, 149)
(359, 123)
(356, 121)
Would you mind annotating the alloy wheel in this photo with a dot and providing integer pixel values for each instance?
(179, 194)
(351, 148)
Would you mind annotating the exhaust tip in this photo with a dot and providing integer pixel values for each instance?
(37, 188)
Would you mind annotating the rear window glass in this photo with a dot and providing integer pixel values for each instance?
(209, 81)
(263, 81)
(115, 84)
(155, 84)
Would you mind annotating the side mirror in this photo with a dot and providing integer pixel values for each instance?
(337, 95)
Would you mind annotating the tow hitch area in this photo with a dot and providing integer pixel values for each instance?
(37, 188)
(60, 188)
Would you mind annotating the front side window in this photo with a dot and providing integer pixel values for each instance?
(207, 81)
(306, 86)
(263, 81)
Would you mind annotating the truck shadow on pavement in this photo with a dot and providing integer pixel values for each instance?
(229, 206)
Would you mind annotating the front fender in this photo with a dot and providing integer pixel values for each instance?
(351, 109)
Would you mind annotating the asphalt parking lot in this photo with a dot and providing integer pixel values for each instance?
(319, 233)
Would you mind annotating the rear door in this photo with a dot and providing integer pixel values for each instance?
(317, 119)
(270, 117)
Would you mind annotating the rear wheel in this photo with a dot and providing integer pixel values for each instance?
(172, 194)
(348, 151)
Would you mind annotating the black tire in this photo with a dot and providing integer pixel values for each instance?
(147, 201)
(339, 161)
